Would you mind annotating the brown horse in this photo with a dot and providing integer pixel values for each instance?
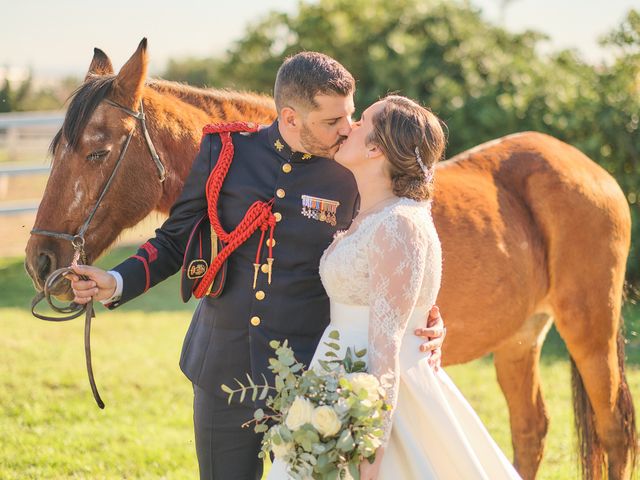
(533, 232)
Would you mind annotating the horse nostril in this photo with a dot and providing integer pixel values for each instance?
(44, 265)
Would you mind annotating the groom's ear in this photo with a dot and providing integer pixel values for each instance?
(289, 118)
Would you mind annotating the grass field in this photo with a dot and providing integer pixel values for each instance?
(50, 427)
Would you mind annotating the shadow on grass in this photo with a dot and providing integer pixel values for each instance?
(16, 289)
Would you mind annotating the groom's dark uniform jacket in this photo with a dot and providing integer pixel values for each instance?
(229, 335)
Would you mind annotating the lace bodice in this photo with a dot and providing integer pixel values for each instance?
(390, 261)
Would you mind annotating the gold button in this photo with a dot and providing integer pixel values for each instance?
(278, 216)
(286, 168)
(264, 268)
(271, 242)
(280, 193)
(260, 295)
(255, 321)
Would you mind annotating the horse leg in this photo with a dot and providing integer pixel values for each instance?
(516, 363)
(604, 414)
(585, 221)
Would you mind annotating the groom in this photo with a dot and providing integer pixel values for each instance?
(288, 163)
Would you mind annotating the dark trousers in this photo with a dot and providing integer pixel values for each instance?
(226, 451)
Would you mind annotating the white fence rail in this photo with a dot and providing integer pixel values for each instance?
(25, 136)
(21, 187)
(24, 144)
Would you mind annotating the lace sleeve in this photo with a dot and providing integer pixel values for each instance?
(396, 257)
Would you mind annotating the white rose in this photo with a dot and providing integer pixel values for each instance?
(300, 413)
(282, 450)
(367, 382)
(326, 421)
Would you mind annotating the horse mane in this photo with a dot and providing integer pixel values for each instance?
(83, 102)
(195, 95)
(86, 98)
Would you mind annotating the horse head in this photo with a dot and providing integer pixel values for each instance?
(97, 134)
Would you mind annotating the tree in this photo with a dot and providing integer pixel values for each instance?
(484, 81)
(5, 97)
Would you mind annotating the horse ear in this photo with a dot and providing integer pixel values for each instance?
(127, 88)
(100, 64)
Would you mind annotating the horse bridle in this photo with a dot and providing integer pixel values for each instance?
(74, 310)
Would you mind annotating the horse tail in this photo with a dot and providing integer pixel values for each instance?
(591, 451)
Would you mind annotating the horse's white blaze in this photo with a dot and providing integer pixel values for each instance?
(78, 194)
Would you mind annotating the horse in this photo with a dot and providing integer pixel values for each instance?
(533, 232)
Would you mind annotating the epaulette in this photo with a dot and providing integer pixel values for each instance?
(233, 127)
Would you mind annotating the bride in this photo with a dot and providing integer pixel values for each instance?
(382, 275)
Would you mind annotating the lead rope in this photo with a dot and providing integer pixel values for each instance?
(73, 310)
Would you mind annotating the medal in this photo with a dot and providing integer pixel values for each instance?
(320, 209)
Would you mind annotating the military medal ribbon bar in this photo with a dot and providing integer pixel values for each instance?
(320, 209)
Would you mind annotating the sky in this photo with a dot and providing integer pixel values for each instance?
(56, 38)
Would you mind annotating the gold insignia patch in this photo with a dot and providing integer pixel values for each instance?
(320, 209)
(197, 268)
(278, 144)
(306, 156)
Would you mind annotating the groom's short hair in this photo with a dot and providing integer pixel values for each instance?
(303, 76)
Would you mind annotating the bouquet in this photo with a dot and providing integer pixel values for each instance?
(322, 422)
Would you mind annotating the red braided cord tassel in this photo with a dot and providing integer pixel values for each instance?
(239, 235)
(258, 214)
(219, 173)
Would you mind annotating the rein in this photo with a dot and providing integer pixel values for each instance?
(73, 310)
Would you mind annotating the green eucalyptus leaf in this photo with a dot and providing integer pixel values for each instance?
(354, 470)
(345, 442)
(361, 353)
(265, 392)
(359, 366)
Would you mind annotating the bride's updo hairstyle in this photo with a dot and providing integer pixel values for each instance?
(400, 127)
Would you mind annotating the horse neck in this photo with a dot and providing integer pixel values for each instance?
(176, 115)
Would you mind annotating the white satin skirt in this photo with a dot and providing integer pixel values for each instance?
(436, 434)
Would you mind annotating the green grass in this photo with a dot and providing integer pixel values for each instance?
(50, 427)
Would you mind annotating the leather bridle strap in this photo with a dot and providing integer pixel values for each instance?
(145, 131)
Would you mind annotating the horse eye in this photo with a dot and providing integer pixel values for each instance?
(97, 155)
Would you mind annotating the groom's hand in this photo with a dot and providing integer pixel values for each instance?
(99, 286)
(434, 333)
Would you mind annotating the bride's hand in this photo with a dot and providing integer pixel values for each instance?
(370, 471)
(434, 333)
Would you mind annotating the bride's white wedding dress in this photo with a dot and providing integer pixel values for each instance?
(382, 276)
